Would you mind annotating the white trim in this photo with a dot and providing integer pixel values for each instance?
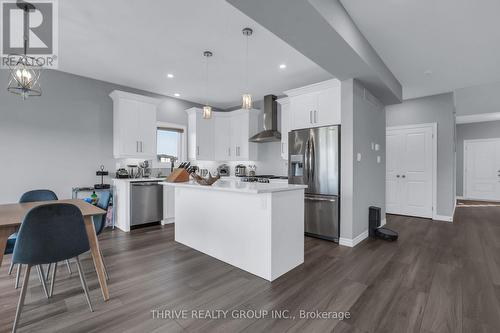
(459, 197)
(434, 158)
(443, 218)
(312, 88)
(484, 200)
(117, 94)
(478, 118)
(464, 164)
(156, 163)
(355, 241)
(168, 220)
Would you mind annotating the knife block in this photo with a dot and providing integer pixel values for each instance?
(178, 176)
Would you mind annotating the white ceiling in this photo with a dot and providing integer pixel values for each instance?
(457, 40)
(136, 43)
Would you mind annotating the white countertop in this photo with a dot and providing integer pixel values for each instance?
(130, 180)
(240, 187)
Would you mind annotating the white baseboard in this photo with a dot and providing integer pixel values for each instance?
(355, 241)
(443, 218)
(168, 220)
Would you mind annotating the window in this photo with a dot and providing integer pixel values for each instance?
(168, 143)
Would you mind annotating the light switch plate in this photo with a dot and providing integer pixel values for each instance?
(379, 159)
(377, 147)
(373, 145)
(358, 157)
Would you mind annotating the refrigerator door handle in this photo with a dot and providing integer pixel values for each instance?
(307, 161)
(312, 157)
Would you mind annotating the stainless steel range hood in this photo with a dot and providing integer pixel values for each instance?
(270, 133)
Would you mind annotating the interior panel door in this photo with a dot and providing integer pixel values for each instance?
(482, 170)
(416, 177)
(393, 150)
(409, 171)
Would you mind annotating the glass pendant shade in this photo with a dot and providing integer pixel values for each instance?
(24, 78)
(247, 102)
(207, 112)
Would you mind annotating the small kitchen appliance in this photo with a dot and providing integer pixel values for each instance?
(240, 170)
(223, 170)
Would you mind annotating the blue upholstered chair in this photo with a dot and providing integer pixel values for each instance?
(49, 234)
(100, 221)
(30, 196)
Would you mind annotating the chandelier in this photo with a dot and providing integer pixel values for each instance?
(25, 74)
(207, 109)
(247, 98)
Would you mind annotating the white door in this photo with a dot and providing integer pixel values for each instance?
(328, 110)
(129, 118)
(409, 171)
(204, 138)
(482, 169)
(303, 108)
(147, 129)
(222, 133)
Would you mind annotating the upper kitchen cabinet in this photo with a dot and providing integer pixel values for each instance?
(315, 105)
(285, 125)
(134, 125)
(200, 136)
(244, 124)
(224, 137)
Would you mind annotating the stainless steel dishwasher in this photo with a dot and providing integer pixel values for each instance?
(146, 203)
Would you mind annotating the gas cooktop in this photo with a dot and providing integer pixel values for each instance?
(260, 178)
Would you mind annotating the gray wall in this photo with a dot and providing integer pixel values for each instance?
(433, 109)
(60, 139)
(478, 99)
(486, 130)
(363, 182)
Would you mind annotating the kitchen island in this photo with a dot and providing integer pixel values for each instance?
(256, 227)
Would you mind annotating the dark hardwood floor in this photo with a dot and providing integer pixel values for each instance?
(438, 277)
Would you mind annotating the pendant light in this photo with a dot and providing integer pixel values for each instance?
(247, 97)
(207, 109)
(24, 76)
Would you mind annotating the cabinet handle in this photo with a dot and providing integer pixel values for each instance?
(141, 147)
(229, 151)
(403, 176)
(137, 146)
(197, 150)
(310, 117)
(315, 116)
(397, 176)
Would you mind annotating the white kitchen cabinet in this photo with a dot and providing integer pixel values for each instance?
(134, 125)
(224, 137)
(285, 125)
(200, 136)
(222, 129)
(315, 105)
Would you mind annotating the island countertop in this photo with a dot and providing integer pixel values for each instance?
(240, 187)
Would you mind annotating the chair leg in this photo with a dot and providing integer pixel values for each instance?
(69, 266)
(84, 283)
(20, 304)
(18, 274)
(53, 280)
(105, 268)
(41, 277)
(47, 276)
(11, 267)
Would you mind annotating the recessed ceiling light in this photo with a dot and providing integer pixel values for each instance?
(428, 72)
(170, 76)
(282, 66)
(177, 95)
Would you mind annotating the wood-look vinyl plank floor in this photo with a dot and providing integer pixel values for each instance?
(438, 277)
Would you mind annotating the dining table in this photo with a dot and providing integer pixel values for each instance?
(12, 215)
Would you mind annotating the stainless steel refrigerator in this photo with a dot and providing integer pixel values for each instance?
(314, 160)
